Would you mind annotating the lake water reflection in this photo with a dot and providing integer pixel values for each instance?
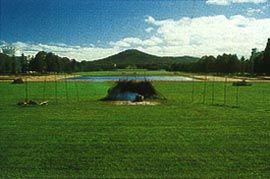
(138, 78)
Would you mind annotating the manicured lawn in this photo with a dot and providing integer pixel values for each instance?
(84, 137)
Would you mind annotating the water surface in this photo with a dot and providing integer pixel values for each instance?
(139, 78)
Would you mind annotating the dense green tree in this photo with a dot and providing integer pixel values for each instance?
(266, 58)
(206, 64)
(257, 63)
(5, 64)
(24, 64)
(13, 65)
(66, 65)
(38, 63)
(51, 61)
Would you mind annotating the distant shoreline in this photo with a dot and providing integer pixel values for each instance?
(197, 77)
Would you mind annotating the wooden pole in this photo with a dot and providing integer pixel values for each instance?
(26, 89)
(213, 90)
(55, 88)
(44, 88)
(225, 91)
(264, 94)
(237, 96)
(193, 89)
(77, 90)
(66, 87)
(204, 89)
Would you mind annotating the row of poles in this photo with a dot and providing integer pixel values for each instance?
(55, 89)
(192, 91)
(213, 81)
(225, 89)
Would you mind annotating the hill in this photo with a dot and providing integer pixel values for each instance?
(140, 59)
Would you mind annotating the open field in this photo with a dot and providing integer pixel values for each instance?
(78, 136)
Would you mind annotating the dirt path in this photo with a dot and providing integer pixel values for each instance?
(9, 78)
(230, 79)
(36, 78)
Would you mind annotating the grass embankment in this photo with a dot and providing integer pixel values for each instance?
(90, 138)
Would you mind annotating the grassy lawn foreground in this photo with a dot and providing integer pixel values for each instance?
(90, 138)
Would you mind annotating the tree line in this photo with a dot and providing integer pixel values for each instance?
(13, 65)
(258, 63)
(43, 62)
(226, 63)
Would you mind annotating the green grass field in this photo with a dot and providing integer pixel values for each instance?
(84, 137)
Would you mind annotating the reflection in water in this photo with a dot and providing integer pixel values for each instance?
(139, 78)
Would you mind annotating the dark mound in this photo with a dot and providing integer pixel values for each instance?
(32, 103)
(17, 81)
(132, 91)
(241, 83)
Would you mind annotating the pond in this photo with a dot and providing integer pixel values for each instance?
(138, 78)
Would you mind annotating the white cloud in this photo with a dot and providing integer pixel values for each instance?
(207, 35)
(77, 52)
(153, 41)
(126, 42)
(228, 2)
(133, 42)
(150, 19)
(212, 35)
(254, 12)
(149, 29)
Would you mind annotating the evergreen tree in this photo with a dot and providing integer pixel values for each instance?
(51, 62)
(38, 63)
(266, 58)
(24, 64)
(13, 65)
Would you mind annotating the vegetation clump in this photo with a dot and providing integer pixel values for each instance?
(32, 103)
(135, 91)
(241, 83)
(18, 81)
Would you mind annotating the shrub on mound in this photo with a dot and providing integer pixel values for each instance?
(132, 91)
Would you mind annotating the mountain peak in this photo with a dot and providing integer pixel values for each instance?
(134, 57)
(133, 51)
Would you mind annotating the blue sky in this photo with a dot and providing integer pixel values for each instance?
(101, 24)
